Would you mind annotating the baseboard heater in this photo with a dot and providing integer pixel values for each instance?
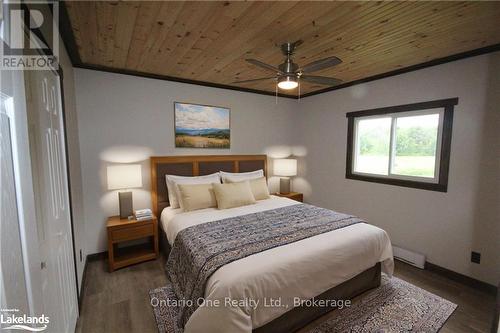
(409, 257)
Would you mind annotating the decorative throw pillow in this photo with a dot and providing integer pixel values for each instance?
(258, 186)
(173, 181)
(196, 196)
(233, 195)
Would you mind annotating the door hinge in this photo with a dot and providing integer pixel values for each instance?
(43, 265)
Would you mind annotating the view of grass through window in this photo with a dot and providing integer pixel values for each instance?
(373, 144)
(414, 145)
(416, 142)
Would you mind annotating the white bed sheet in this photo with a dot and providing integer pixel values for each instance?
(302, 269)
(167, 214)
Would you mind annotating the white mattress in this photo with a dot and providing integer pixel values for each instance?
(302, 269)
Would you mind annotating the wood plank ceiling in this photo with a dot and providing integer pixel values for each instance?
(208, 41)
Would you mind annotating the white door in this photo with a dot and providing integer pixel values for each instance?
(13, 293)
(52, 200)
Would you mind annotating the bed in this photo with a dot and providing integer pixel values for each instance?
(334, 265)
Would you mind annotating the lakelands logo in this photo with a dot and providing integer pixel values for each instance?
(27, 29)
(12, 321)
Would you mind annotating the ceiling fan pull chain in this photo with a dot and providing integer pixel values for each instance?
(298, 81)
(276, 94)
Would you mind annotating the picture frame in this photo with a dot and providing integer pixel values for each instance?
(202, 126)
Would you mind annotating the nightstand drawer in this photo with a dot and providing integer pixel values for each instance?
(134, 232)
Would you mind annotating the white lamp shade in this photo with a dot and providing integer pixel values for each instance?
(124, 176)
(285, 167)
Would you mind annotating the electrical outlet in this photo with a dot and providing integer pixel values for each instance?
(475, 257)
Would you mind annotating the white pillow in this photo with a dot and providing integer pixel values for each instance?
(241, 176)
(233, 195)
(173, 191)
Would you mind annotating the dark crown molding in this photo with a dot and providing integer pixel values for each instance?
(435, 62)
(67, 35)
(178, 79)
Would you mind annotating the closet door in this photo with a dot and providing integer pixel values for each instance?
(51, 192)
(13, 293)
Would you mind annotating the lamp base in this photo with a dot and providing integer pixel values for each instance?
(284, 185)
(126, 206)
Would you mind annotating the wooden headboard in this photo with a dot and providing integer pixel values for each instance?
(197, 165)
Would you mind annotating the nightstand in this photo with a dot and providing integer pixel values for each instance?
(292, 195)
(123, 230)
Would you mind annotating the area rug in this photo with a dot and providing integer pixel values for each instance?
(396, 306)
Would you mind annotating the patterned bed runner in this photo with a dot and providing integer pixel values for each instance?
(200, 250)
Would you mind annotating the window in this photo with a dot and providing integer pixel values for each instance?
(406, 145)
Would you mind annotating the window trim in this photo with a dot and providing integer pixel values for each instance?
(444, 143)
(390, 166)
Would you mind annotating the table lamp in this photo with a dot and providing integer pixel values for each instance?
(285, 168)
(121, 177)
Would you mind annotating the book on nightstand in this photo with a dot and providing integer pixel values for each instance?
(143, 214)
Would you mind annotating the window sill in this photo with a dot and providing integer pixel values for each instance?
(400, 182)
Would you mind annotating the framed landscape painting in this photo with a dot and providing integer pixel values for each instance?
(201, 126)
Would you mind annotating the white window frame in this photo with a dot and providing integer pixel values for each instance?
(392, 146)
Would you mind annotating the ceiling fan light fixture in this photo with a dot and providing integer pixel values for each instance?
(288, 82)
(289, 73)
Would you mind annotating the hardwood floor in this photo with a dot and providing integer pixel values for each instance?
(119, 301)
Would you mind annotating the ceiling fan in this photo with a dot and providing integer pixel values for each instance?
(289, 73)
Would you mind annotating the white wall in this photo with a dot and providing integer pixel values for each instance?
(128, 119)
(444, 226)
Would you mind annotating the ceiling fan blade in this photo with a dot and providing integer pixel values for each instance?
(264, 65)
(320, 64)
(328, 81)
(297, 43)
(253, 80)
